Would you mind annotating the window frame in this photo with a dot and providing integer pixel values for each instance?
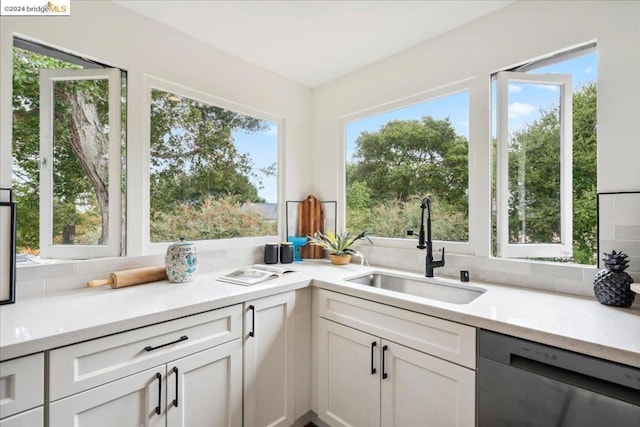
(534, 250)
(142, 192)
(47, 247)
(459, 248)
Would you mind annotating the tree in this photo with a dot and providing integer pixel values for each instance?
(193, 156)
(395, 167)
(534, 153)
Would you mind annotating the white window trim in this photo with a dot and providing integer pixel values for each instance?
(147, 247)
(462, 248)
(47, 248)
(537, 250)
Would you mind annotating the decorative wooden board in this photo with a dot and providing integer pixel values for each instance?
(635, 287)
(310, 221)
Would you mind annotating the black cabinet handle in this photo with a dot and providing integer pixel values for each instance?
(384, 374)
(159, 378)
(373, 367)
(182, 338)
(253, 320)
(175, 401)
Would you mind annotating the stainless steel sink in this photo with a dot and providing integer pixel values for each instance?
(432, 288)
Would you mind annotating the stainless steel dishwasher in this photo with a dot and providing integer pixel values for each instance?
(527, 384)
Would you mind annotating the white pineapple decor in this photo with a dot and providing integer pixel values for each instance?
(612, 285)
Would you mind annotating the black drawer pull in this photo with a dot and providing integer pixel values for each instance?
(373, 367)
(384, 374)
(182, 338)
(175, 401)
(159, 378)
(253, 320)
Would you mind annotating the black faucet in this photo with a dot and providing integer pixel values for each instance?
(430, 263)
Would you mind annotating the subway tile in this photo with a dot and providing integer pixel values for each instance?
(630, 201)
(143, 261)
(572, 287)
(627, 232)
(560, 271)
(29, 289)
(43, 272)
(100, 265)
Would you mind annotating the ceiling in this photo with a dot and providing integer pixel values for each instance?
(312, 42)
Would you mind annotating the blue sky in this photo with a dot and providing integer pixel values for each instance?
(525, 104)
(262, 147)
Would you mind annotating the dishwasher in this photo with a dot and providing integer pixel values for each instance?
(527, 384)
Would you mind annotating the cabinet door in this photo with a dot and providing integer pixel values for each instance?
(133, 401)
(348, 376)
(269, 361)
(32, 418)
(205, 389)
(421, 390)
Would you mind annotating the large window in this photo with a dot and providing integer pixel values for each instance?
(68, 151)
(396, 158)
(545, 163)
(212, 170)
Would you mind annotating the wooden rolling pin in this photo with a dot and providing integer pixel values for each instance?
(131, 277)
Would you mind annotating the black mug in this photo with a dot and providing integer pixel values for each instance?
(271, 253)
(286, 252)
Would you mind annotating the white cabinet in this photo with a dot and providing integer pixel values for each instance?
(201, 389)
(22, 391)
(32, 418)
(269, 361)
(421, 390)
(184, 372)
(349, 386)
(371, 377)
(205, 389)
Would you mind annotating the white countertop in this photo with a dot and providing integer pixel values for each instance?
(571, 322)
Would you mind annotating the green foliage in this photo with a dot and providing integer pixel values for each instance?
(397, 166)
(219, 218)
(193, 159)
(393, 218)
(536, 149)
(192, 151)
(337, 243)
(26, 147)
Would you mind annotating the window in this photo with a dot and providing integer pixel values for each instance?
(396, 158)
(67, 167)
(212, 170)
(545, 163)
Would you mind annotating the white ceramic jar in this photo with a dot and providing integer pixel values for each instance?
(181, 261)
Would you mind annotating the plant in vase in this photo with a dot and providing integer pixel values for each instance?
(339, 245)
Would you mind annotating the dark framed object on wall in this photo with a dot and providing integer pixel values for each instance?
(7, 247)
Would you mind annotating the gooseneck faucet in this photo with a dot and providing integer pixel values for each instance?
(430, 263)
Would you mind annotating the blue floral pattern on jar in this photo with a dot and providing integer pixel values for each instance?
(181, 262)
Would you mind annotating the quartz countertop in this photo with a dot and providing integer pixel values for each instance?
(571, 322)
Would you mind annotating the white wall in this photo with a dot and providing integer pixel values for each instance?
(513, 35)
(117, 36)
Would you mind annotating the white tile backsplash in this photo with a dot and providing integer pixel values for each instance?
(620, 214)
(34, 280)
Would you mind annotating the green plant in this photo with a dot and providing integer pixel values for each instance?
(337, 243)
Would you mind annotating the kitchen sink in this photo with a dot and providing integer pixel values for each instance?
(432, 288)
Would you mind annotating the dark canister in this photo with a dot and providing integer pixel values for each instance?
(286, 252)
(271, 253)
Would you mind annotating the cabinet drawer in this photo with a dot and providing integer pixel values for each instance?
(85, 365)
(21, 384)
(441, 338)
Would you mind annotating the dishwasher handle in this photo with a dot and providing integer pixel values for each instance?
(513, 351)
